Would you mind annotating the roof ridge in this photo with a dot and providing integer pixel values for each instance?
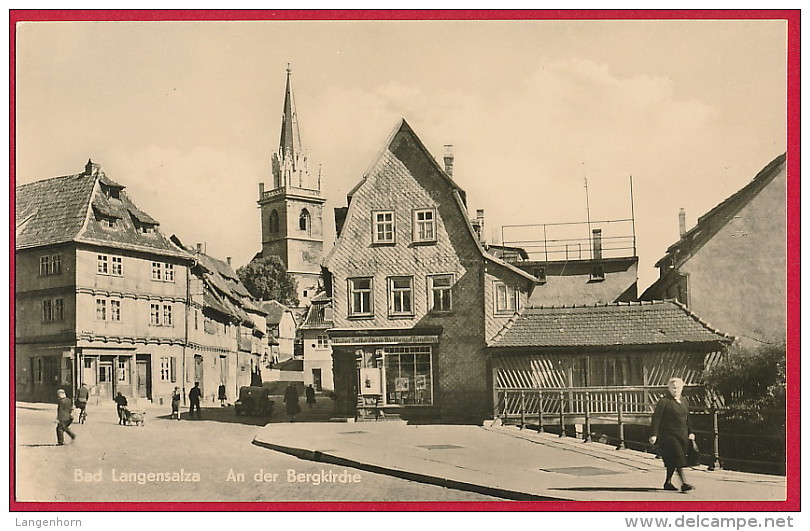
(700, 321)
(506, 327)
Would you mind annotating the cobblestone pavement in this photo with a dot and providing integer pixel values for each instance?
(210, 450)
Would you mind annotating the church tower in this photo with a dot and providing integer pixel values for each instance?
(291, 212)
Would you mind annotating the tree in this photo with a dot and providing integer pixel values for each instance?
(751, 377)
(267, 279)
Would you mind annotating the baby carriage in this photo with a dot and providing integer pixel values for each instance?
(134, 418)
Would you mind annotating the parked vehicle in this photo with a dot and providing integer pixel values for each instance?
(254, 401)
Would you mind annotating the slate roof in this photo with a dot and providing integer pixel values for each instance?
(404, 129)
(616, 324)
(52, 211)
(223, 291)
(63, 209)
(274, 311)
(712, 221)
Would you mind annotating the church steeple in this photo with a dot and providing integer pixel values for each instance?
(290, 163)
(292, 211)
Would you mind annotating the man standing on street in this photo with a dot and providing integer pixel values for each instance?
(194, 400)
(64, 417)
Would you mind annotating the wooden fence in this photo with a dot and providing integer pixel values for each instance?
(556, 409)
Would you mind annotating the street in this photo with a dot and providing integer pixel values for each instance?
(212, 459)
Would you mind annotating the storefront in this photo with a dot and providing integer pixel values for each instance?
(381, 373)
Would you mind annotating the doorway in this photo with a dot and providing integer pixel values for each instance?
(105, 380)
(317, 383)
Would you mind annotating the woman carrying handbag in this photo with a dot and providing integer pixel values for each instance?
(673, 434)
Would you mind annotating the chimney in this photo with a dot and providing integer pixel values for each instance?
(91, 168)
(199, 248)
(261, 190)
(228, 259)
(682, 222)
(448, 160)
(479, 219)
(597, 244)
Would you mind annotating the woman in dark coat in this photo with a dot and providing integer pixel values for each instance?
(671, 430)
(291, 401)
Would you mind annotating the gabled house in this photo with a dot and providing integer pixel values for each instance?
(415, 296)
(100, 292)
(315, 339)
(731, 267)
(281, 326)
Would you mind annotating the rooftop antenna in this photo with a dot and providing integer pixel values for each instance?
(633, 214)
(587, 202)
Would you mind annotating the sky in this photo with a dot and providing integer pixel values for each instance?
(187, 115)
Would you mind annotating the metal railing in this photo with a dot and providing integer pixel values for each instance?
(556, 409)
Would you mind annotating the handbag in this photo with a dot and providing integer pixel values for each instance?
(693, 454)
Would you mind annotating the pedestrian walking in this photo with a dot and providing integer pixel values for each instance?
(222, 395)
(121, 406)
(82, 397)
(672, 432)
(64, 417)
(310, 394)
(291, 401)
(194, 400)
(176, 395)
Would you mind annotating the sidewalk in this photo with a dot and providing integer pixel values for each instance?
(507, 462)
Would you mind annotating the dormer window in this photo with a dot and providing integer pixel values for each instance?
(597, 273)
(108, 223)
(540, 274)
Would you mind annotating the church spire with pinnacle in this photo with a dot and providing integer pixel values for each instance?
(290, 163)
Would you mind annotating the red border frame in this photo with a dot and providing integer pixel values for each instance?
(793, 19)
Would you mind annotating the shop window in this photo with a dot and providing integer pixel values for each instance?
(441, 297)
(383, 231)
(408, 375)
(424, 225)
(360, 298)
(400, 295)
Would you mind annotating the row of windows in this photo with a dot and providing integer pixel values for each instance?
(110, 310)
(423, 226)
(400, 295)
(114, 265)
(439, 291)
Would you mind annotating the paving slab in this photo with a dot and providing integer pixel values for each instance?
(508, 462)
